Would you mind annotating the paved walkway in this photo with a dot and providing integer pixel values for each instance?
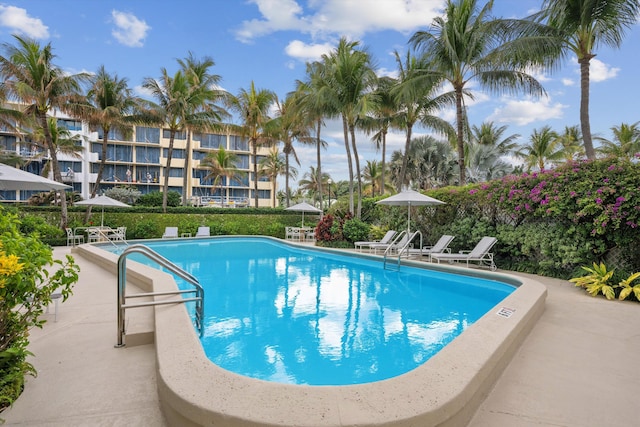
(578, 367)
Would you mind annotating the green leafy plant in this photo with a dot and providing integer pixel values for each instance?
(597, 281)
(355, 230)
(628, 288)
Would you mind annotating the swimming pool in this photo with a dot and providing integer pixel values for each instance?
(300, 316)
(445, 391)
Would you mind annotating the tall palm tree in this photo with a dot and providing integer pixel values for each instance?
(288, 126)
(350, 80)
(172, 94)
(544, 146)
(273, 166)
(625, 143)
(206, 114)
(373, 179)
(253, 106)
(580, 27)
(418, 102)
(485, 163)
(310, 100)
(309, 182)
(61, 139)
(221, 163)
(571, 142)
(30, 77)
(468, 45)
(381, 119)
(108, 106)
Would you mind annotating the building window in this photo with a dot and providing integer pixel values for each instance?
(113, 135)
(70, 124)
(148, 155)
(166, 133)
(243, 161)
(146, 134)
(210, 140)
(177, 153)
(176, 172)
(238, 143)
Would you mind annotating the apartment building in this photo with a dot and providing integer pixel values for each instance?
(140, 161)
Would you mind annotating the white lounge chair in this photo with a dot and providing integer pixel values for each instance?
(398, 242)
(170, 233)
(203, 232)
(441, 246)
(480, 254)
(386, 239)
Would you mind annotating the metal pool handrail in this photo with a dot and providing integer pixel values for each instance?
(399, 251)
(154, 256)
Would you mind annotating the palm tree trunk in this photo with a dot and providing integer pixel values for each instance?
(384, 155)
(584, 107)
(254, 147)
(318, 147)
(286, 178)
(345, 129)
(187, 169)
(460, 135)
(405, 159)
(165, 187)
(358, 174)
(55, 167)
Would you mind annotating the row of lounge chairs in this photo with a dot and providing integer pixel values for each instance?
(172, 232)
(439, 252)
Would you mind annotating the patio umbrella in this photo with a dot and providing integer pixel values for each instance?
(409, 198)
(303, 207)
(16, 179)
(102, 201)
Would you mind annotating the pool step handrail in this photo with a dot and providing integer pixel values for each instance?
(154, 256)
(399, 251)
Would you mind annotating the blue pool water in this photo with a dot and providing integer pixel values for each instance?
(303, 316)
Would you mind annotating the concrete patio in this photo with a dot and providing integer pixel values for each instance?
(576, 368)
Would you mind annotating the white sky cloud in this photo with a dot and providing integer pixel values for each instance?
(568, 82)
(20, 22)
(523, 112)
(599, 71)
(130, 31)
(307, 52)
(339, 17)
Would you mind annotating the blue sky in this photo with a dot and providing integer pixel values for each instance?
(269, 41)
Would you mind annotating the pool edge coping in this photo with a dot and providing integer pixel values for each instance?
(445, 391)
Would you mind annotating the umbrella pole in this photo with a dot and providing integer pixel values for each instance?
(102, 222)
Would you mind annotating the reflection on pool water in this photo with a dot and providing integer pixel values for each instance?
(304, 316)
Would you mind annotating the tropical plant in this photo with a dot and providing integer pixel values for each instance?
(629, 288)
(253, 106)
(30, 77)
(490, 134)
(543, 146)
(625, 144)
(28, 277)
(221, 163)
(578, 28)
(597, 281)
(273, 166)
(571, 141)
(468, 45)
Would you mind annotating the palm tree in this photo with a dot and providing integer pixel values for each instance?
(205, 114)
(491, 135)
(61, 139)
(373, 179)
(571, 142)
(485, 163)
(30, 77)
(108, 106)
(625, 144)
(467, 45)
(418, 102)
(350, 79)
(288, 126)
(580, 27)
(309, 182)
(311, 102)
(273, 166)
(544, 146)
(221, 163)
(253, 107)
(174, 104)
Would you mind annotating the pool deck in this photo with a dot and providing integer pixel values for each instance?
(576, 367)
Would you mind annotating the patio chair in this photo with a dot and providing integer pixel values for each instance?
(170, 233)
(292, 233)
(93, 235)
(73, 238)
(119, 234)
(441, 246)
(203, 232)
(480, 254)
(386, 239)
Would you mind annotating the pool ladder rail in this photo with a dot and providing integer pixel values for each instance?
(159, 259)
(397, 251)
